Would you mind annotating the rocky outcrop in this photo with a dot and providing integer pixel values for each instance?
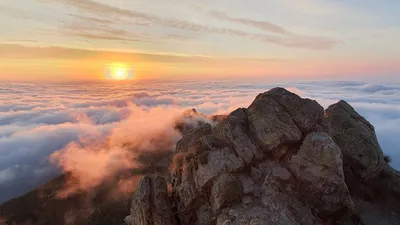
(318, 166)
(191, 119)
(357, 140)
(189, 140)
(151, 205)
(234, 130)
(281, 161)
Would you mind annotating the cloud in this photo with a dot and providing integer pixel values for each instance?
(94, 28)
(296, 41)
(106, 122)
(376, 87)
(90, 166)
(22, 52)
(262, 25)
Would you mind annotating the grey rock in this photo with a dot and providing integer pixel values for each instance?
(218, 162)
(247, 182)
(191, 139)
(282, 203)
(205, 215)
(375, 214)
(271, 124)
(389, 181)
(150, 205)
(186, 188)
(246, 200)
(304, 112)
(357, 139)
(318, 166)
(233, 130)
(279, 162)
(226, 190)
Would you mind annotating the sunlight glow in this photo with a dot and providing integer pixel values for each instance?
(119, 71)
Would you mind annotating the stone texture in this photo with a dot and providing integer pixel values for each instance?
(305, 112)
(218, 162)
(226, 190)
(234, 130)
(357, 139)
(150, 205)
(279, 162)
(270, 123)
(190, 140)
(318, 166)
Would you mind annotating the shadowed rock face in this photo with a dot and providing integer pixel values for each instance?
(278, 162)
(151, 205)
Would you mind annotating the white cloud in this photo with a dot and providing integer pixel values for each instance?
(48, 117)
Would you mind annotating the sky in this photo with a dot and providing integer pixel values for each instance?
(47, 127)
(310, 39)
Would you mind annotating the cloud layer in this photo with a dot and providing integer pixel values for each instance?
(87, 127)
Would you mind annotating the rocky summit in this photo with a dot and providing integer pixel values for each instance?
(282, 161)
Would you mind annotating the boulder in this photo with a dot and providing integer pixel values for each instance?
(305, 112)
(357, 139)
(270, 124)
(318, 169)
(150, 204)
(234, 131)
(226, 190)
(218, 162)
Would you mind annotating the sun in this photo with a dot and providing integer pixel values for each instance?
(119, 72)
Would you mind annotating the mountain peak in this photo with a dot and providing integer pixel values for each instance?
(280, 161)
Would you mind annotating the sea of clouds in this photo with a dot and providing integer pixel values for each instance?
(49, 127)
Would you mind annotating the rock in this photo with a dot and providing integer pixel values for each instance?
(389, 182)
(205, 215)
(247, 200)
(357, 139)
(270, 123)
(281, 201)
(305, 112)
(318, 166)
(279, 162)
(218, 162)
(369, 213)
(233, 130)
(186, 187)
(198, 174)
(226, 190)
(191, 139)
(191, 119)
(150, 205)
(247, 182)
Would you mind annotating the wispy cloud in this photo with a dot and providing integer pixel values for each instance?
(17, 51)
(99, 29)
(105, 10)
(21, 40)
(287, 37)
(262, 25)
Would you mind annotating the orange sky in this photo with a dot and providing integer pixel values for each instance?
(58, 63)
(77, 39)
